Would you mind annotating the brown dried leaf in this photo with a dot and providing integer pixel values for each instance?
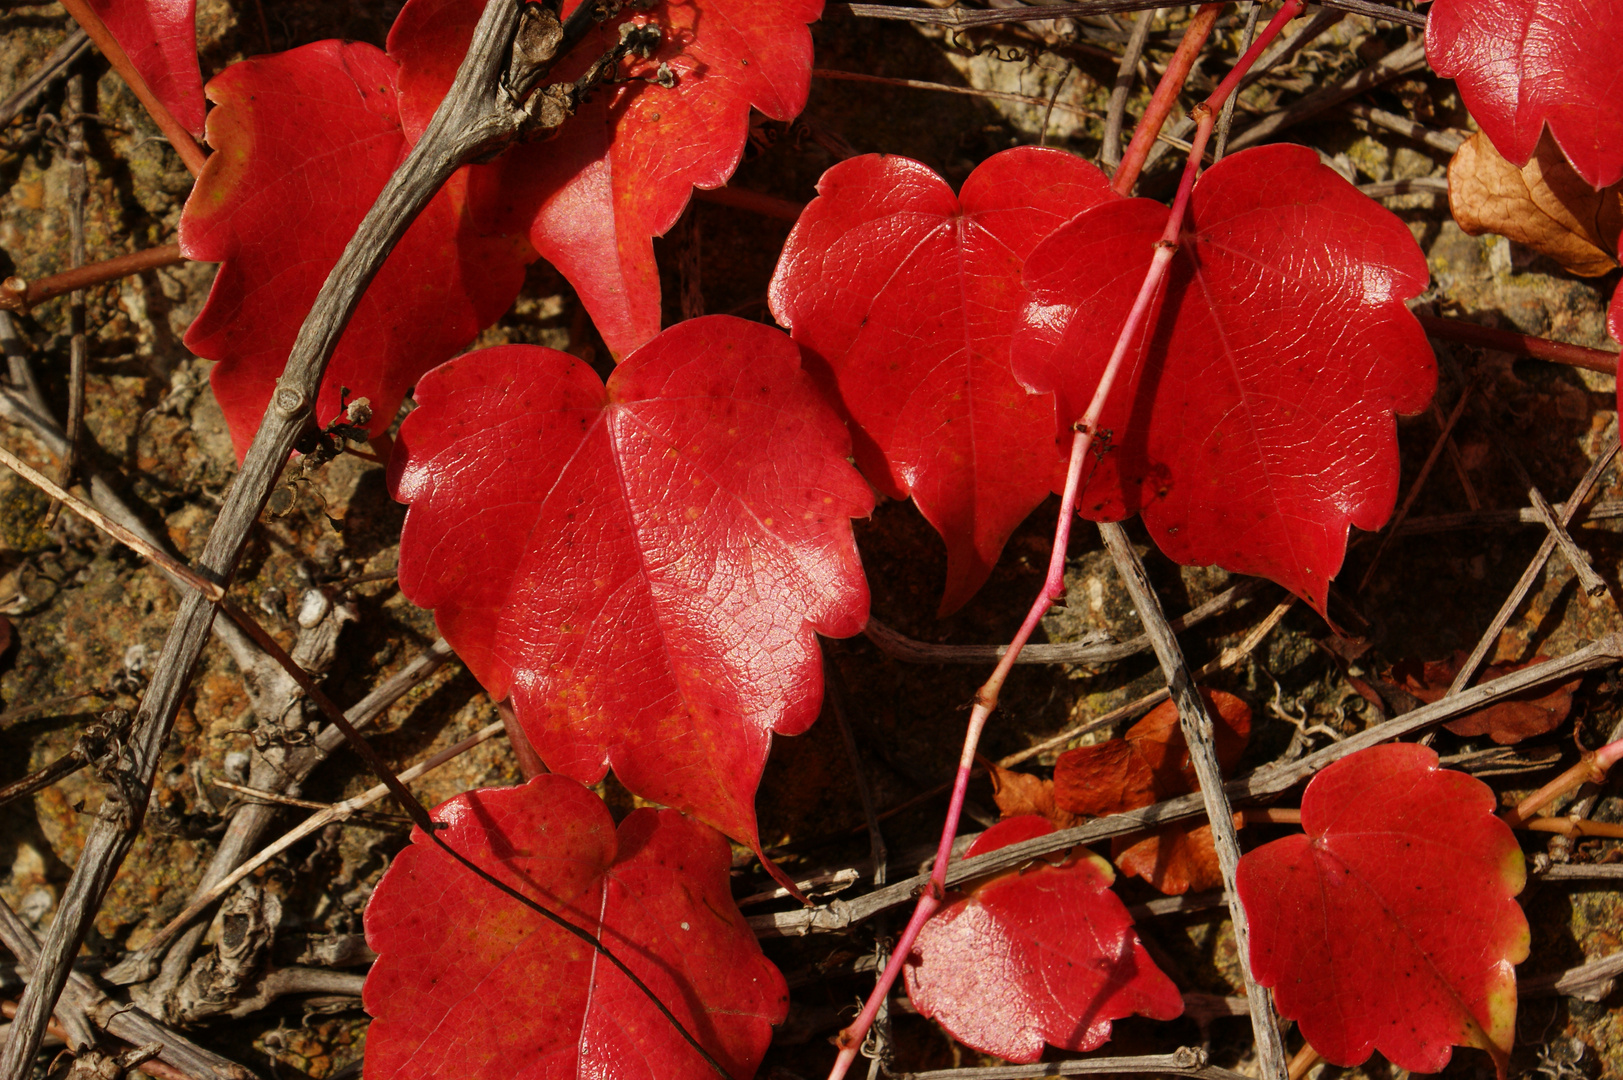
(1543, 205)
(1508, 720)
(1151, 763)
(1174, 860)
(1018, 793)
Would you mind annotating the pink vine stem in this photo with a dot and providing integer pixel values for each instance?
(1083, 431)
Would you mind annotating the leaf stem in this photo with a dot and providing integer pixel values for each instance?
(17, 294)
(1164, 98)
(1487, 337)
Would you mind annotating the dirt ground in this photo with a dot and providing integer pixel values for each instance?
(88, 617)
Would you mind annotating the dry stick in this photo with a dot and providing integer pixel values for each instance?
(158, 557)
(1269, 781)
(1416, 485)
(1228, 658)
(967, 91)
(190, 153)
(1602, 510)
(1446, 141)
(838, 700)
(1227, 117)
(1110, 148)
(78, 346)
(967, 17)
(1185, 1061)
(313, 824)
(1090, 650)
(1490, 637)
(1571, 872)
(1467, 333)
(49, 72)
(1593, 584)
(1400, 61)
(477, 117)
(1590, 982)
(122, 1020)
(1085, 429)
(1457, 460)
(1164, 98)
(19, 295)
(250, 819)
(1200, 733)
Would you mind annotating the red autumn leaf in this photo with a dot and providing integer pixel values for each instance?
(1150, 763)
(643, 566)
(304, 141)
(1045, 955)
(1259, 426)
(160, 38)
(1406, 862)
(621, 170)
(1508, 720)
(470, 983)
(1522, 64)
(910, 294)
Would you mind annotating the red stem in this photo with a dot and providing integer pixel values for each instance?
(181, 139)
(19, 295)
(1164, 98)
(850, 1040)
(1511, 342)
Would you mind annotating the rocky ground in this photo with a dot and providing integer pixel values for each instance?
(87, 617)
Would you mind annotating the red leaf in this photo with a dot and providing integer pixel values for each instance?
(304, 141)
(642, 567)
(1508, 720)
(1406, 862)
(160, 38)
(910, 295)
(1522, 64)
(620, 172)
(1150, 763)
(1260, 425)
(1047, 955)
(469, 983)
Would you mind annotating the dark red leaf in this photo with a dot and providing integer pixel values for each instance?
(1150, 763)
(469, 983)
(303, 142)
(641, 567)
(160, 38)
(1047, 955)
(1407, 863)
(1508, 720)
(1260, 425)
(910, 295)
(619, 173)
(1522, 64)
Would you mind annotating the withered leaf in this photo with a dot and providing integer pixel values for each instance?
(1507, 721)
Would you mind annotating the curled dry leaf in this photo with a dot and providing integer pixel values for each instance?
(1406, 862)
(1543, 205)
(1174, 860)
(469, 983)
(1508, 720)
(643, 566)
(1044, 955)
(1018, 794)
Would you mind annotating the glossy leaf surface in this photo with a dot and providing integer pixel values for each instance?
(1259, 425)
(304, 141)
(620, 172)
(1524, 64)
(1044, 956)
(1404, 861)
(910, 294)
(470, 983)
(160, 38)
(641, 567)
